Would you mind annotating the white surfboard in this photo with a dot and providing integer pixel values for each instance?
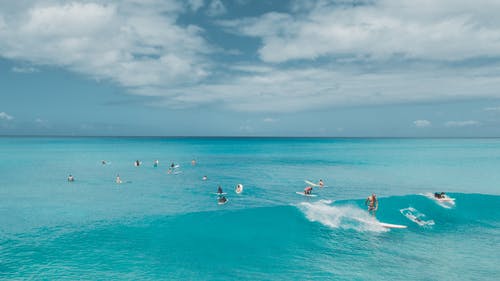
(239, 188)
(303, 194)
(311, 183)
(445, 202)
(389, 225)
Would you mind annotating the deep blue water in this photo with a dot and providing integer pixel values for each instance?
(169, 226)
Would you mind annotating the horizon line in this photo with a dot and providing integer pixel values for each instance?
(247, 137)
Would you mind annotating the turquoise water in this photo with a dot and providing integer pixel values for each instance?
(166, 226)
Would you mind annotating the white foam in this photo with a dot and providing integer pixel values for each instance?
(444, 204)
(415, 216)
(345, 217)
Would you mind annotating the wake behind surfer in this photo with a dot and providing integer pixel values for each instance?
(372, 203)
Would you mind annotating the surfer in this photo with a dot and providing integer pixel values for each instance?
(439, 195)
(156, 163)
(103, 162)
(219, 190)
(222, 200)
(204, 178)
(320, 183)
(372, 204)
(172, 165)
(308, 190)
(137, 163)
(71, 178)
(118, 179)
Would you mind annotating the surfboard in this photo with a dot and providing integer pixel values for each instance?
(222, 203)
(239, 188)
(307, 195)
(446, 202)
(389, 225)
(311, 183)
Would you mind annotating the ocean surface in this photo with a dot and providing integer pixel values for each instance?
(165, 226)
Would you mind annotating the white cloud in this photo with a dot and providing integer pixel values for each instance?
(130, 42)
(216, 8)
(5, 116)
(195, 4)
(497, 108)
(24, 69)
(141, 46)
(467, 123)
(436, 30)
(421, 123)
(270, 120)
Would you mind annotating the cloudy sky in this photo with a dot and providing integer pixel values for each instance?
(250, 68)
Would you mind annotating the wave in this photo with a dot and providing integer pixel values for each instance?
(467, 209)
(345, 217)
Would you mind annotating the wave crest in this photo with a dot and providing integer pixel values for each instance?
(344, 217)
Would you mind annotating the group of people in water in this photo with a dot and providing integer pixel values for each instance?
(371, 202)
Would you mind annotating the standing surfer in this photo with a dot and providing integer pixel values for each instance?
(372, 204)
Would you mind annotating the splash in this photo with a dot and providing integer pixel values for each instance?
(344, 217)
(444, 204)
(417, 217)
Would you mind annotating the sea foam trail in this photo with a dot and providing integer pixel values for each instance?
(345, 217)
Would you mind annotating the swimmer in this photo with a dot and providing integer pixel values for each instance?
(137, 163)
(439, 195)
(103, 162)
(193, 162)
(204, 178)
(118, 179)
(222, 200)
(155, 164)
(320, 183)
(71, 178)
(372, 204)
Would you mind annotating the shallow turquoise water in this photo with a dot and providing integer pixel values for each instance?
(165, 226)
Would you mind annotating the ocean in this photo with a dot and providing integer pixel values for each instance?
(168, 226)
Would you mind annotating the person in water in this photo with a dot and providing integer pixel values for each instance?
(71, 178)
(308, 190)
(103, 162)
(118, 179)
(320, 183)
(193, 162)
(156, 163)
(219, 190)
(137, 163)
(439, 195)
(372, 204)
(222, 199)
(172, 165)
(204, 178)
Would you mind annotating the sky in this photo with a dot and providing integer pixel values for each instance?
(319, 68)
